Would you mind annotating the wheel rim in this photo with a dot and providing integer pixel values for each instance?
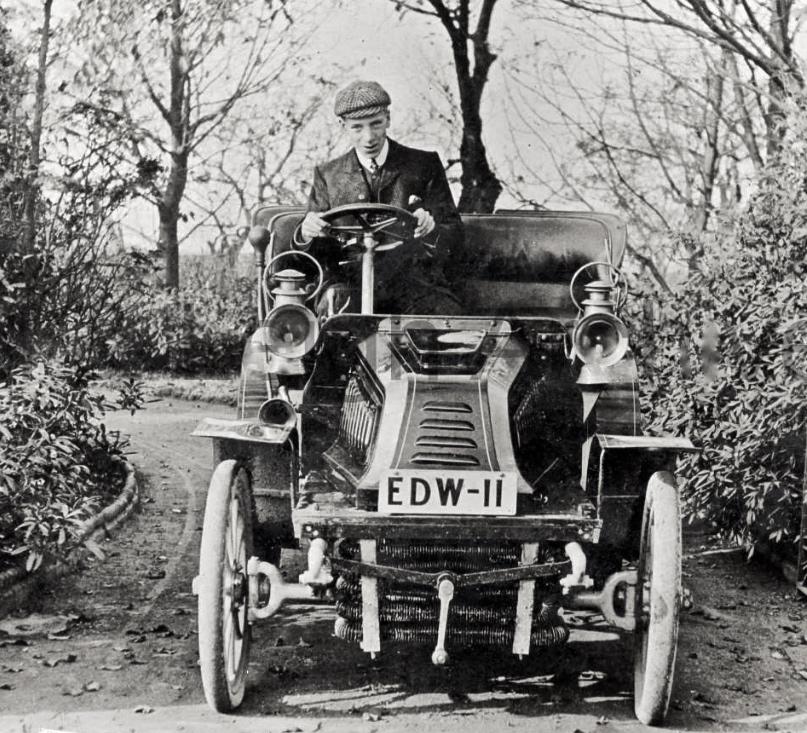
(644, 596)
(234, 592)
(657, 600)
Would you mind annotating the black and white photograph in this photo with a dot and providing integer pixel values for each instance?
(391, 366)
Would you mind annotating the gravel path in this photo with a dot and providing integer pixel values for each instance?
(125, 655)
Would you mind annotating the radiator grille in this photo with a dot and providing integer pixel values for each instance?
(360, 413)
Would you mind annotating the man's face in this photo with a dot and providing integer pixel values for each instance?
(368, 134)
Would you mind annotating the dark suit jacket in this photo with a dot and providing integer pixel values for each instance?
(406, 172)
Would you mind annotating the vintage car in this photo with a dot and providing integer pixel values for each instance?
(455, 480)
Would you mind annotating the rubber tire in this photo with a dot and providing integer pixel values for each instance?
(229, 478)
(656, 639)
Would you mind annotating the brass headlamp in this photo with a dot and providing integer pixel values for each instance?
(600, 338)
(290, 329)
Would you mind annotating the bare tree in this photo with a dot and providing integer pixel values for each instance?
(760, 33)
(166, 74)
(468, 23)
(665, 132)
(260, 156)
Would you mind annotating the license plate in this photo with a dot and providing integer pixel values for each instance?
(448, 492)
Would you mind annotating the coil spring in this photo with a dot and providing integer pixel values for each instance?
(464, 613)
(349, 589)
(412, 556)
(463, 636)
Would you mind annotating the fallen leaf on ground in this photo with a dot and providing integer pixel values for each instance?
(58, 637)
(6, 686)
(710, 614)
(73, 691)
(302, 642)
(95, 549)
(802, 673)
(111, 667)
(12, 670)
(145, 709)
(53, 661)
(703, 699)
(776, 654)
(36, 625)
(92, 686)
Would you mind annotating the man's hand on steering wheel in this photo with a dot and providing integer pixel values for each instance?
(425, 223)
(313, 225)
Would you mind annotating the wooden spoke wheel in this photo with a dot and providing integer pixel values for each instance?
(224, 634)
(658, 600)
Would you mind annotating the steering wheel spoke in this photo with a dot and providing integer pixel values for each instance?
(381, 225)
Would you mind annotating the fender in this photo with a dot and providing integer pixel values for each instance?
(243, 430)
(619, 475)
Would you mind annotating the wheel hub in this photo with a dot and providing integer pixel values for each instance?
(238, 588)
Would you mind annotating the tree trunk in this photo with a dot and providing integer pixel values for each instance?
(179, 115)
(169, 218)
(169, 245)
(31, 195)
(480, 186)
(781, 80)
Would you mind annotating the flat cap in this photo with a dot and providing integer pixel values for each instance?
(361, 99)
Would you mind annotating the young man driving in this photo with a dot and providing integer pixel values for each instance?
(379, 170)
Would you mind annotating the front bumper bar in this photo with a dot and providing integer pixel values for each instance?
(367, 525)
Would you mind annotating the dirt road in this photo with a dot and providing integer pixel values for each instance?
(122, 657)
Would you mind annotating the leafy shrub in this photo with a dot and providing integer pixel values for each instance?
(727, 365)
(57, 462)
(202, 328)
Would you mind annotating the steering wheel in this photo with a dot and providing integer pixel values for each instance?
(379, 227)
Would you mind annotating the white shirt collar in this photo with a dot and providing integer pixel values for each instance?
(380, 158)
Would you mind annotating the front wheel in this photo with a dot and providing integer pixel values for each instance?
(224, 634)
(658, 600)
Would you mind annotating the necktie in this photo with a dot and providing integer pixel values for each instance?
(375, 175)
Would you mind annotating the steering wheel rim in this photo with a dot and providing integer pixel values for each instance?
(360, 213)
(617, 280)
(268, 275)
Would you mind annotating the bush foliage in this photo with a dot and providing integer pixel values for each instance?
(57, 462)
(200, 329)
(728, 365)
